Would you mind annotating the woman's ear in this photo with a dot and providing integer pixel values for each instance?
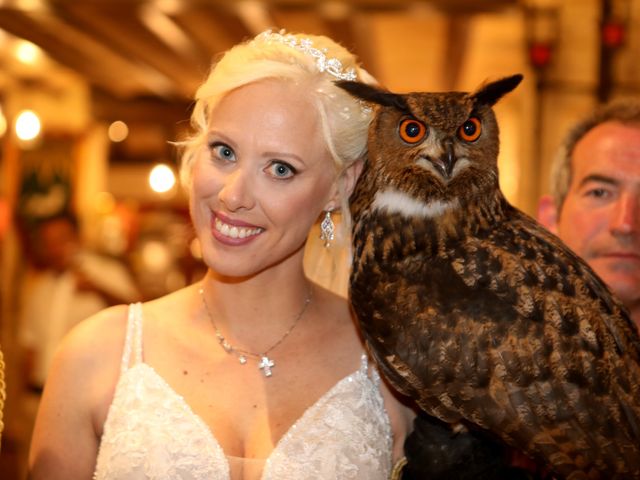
(345, 184)
(548, 214)
(350, 176)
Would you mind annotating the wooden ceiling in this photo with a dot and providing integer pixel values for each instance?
(156, 52)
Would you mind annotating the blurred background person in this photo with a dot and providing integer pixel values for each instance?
(69, 284)
(594, 205)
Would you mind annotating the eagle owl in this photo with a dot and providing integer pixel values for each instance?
(473, 309)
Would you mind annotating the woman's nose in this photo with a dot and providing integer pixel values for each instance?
(236, 192)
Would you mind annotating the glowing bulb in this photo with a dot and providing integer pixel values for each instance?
(27, 125)
(118, 131)
(161, 178)
(156, 256)
(27, 52)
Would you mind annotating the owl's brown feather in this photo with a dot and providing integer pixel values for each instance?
(481, 315)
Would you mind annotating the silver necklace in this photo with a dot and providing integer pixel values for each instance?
(265, 364)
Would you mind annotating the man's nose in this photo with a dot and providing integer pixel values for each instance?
(625, 219)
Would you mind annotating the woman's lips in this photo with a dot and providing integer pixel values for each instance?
(233, 231)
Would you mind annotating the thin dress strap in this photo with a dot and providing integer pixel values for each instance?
(133, 337)
(372, 372)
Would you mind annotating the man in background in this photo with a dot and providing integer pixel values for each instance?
(594, 205)
(69, 284)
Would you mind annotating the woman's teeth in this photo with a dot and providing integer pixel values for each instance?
(234, 231)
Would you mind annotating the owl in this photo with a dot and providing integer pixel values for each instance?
(471, 308)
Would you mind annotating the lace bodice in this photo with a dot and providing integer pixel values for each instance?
(151, 432)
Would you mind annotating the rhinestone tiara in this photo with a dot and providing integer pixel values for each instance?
(332, 66)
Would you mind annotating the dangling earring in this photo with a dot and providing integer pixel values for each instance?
(327, 229)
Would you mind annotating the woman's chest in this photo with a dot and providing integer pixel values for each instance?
(150, 426)
(246, 411)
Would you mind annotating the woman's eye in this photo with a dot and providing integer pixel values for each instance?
(222, 151)
(282, 170)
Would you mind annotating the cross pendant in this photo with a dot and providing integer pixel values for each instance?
(265, 365)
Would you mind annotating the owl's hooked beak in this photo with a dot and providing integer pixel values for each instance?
(444, 163)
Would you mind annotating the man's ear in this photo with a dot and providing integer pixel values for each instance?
(548, 214)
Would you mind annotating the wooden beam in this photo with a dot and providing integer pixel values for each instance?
(296, 20)
(215, 28)
(76, 50)
(106, 108)
(127, 35)
(458, 26)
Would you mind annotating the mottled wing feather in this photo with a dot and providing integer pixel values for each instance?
(506, 328)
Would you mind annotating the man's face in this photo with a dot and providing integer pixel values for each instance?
(600, 218)
(57, 244)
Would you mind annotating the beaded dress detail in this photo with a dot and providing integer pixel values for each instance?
(152, 433)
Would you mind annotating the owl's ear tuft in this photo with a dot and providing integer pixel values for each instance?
(490, 93)
(371, 94)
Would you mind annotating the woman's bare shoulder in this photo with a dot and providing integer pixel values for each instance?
(98, 337)
(167, 313)
(102, 335)
(76, 396)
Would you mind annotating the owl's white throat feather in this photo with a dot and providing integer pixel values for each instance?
(392, 200)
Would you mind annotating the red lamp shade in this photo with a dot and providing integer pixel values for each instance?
(540, 54)
(613, 34)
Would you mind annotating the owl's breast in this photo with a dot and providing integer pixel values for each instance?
(391, 253)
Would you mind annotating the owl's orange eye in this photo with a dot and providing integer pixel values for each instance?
(411, 130)
(470, 130)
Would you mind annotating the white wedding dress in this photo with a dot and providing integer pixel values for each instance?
(151, 432)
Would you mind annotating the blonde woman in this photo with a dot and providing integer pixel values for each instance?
(255, 372)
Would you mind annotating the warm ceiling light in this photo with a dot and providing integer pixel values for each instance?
(335, 10)
(161, 179)
(156, 256)
(27, 52)
(30, 5)
(27, 125)
(118, 131)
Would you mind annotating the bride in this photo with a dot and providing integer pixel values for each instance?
(256, 371)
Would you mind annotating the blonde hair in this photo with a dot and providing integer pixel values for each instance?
(344, 120)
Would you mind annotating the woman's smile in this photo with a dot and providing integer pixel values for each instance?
(226, 229)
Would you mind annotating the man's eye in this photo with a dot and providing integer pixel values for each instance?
(282, 170)
(598, 193)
